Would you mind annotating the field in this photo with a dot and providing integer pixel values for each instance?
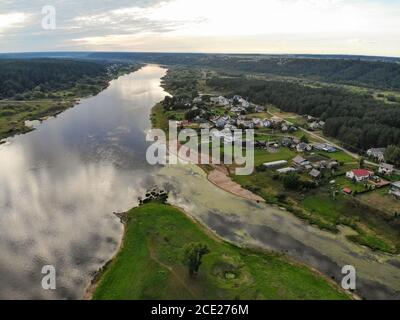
(383, 199)
(13, 114)
(150, 265)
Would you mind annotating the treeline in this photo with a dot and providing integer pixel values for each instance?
(355, 72)
(358, 120)
(45, 75)
(359, 72)
(376, 72)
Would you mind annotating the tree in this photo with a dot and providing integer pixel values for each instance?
(392, 155)
(362, 162)
(291, 181)
(193, 253)
(304, 139)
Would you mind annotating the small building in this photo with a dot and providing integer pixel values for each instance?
(315, 173)
(266, 123)
(325, 147)
(275, 164)
(259, 109)
(302, 147)
(286, 170)
(286, 142)
(299, 161)
(386, 169)
(220, 101)
(395, 189)
(377, 154)
(360, 175)
(347, 190)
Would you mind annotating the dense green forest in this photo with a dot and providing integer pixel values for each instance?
(376, 72)
(358, 120)
(364, 73)
(36, 76)
(360, 71)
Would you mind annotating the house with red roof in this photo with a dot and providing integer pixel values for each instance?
(360, 175)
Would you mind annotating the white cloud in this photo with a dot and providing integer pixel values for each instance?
(11, 20)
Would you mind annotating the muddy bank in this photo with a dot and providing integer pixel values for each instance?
(248, 223)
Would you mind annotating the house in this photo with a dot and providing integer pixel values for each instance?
(238, 100)
(360, 175)
(377, 154)
(275, 164)
(286, 142)
(314, 126)
(284, 128)
(324, 147)
(300, 162)
(315, 173)
(302, 147)
(245, 124)
(385, 168)
(221, 122)
(265, 123)
(259, 109)
(395, 189)
(220, 101)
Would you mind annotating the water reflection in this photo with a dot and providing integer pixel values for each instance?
(60, 184)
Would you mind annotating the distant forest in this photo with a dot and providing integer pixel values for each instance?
(376, 72)
(44, 75)
(359, 71)
(354, 72)
(358, 120)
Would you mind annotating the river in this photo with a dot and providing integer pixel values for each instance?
(61, 183)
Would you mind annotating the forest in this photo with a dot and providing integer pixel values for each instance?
(45, 75)
(376, 72)
(358, 120)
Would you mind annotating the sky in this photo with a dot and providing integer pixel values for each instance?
(366, 27)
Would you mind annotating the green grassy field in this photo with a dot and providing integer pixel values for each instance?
(150, 265)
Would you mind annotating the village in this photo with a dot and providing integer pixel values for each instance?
(284, 148)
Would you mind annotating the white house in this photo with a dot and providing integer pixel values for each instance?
(377, 153)
(385, 168)
(360, 175)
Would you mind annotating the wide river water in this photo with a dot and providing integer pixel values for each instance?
(61, 183)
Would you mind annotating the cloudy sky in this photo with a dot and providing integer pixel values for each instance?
(370, 27)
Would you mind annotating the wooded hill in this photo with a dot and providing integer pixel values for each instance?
(46, 75)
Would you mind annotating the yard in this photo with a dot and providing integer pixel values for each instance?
(382, 199)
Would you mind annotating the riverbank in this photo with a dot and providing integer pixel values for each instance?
(149, 265)
(15, 113)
